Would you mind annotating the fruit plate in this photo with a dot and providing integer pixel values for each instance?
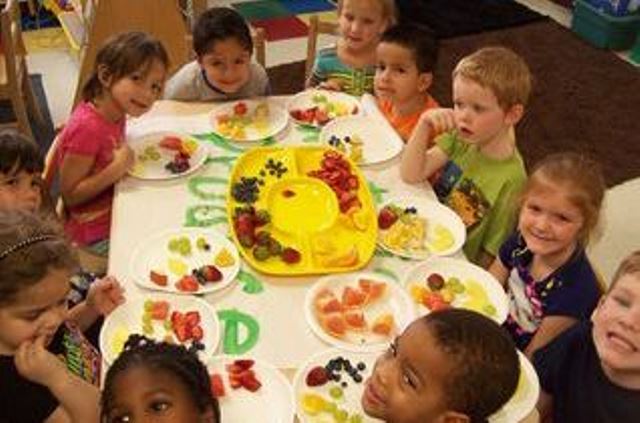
(268, 401)
(166, 261)
(465, 286)
(301, 210)
(248, 120)
(129, 318)
(318, 107)
(358, 311)
(333, 400)
(366, 140)
(425, 228)
(524, 399)
(166, 155)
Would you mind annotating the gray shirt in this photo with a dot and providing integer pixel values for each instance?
(189, 84)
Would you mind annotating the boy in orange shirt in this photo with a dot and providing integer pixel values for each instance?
(406, 57)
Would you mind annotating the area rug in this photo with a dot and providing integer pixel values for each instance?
(453, 18)
(584, 99)
(43, 133)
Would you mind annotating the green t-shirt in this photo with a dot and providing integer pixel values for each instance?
(354, 81)
(482, 191)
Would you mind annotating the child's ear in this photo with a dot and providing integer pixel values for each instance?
(104, 75)
(424, 81)
(453, 417)
(597, 309)
(514, 114)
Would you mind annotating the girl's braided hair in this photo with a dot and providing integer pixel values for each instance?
(162, 356)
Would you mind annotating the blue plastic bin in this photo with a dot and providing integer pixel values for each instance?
(603, 30)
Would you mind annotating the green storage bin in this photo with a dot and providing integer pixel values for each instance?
(603, 30)
(634, 55)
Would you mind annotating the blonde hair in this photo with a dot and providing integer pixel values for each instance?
(582, 181)
(389, 10)
(502, 71)
(630, 265)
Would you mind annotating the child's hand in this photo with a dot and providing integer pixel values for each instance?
(331, 85)
(105, 295)
(123, 158)
(438, 120)
(35, 363)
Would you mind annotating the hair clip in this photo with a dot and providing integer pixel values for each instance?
(25, 243)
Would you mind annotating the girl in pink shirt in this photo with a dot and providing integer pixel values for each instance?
(128, 77)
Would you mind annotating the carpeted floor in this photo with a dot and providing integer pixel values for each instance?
(454, 18)
(584, 99)
(43, 133)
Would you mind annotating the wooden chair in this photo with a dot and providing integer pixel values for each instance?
(316, 27)
(259, 46)
(14, 76)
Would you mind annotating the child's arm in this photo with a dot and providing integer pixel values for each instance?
(549, 329)
(79, 400)
(499, 271)
(78, 187)
(103, 297)
(545, 406)
(419, 163)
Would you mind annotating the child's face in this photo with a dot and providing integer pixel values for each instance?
(227, 65)
(36, 311)
(397, 76)
(135, 94)
(407, 384)
(142, 395)
(616, 327)
(478, 115)
(549, 222)
(361, 23)
(20, 191)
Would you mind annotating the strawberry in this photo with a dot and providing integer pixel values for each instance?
(240, 108)
(244, 364)
(187, 284)
(234, 369)
(211, 273)
(182, 332)
(249, 381)
(386, 218)
(217, 385)
(322, 117)
(197, 333)
(290, 255)
(160, 310)
(158, 278)
(317, 376)
(192, 318)
(234, 381)
(244, 224)
(171, 143)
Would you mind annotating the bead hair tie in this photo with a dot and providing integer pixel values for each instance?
(25, 243)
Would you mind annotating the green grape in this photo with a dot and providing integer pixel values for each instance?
(355, 418)
(174, 245)
(148, 305)
(341, 415)
(489, 310)
(147, 329)
(335, 392)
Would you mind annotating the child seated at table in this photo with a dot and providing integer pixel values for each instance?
(549, 280)
(223, 69)
(160, 382)
(128, 77)
(452, 365)
(475, 167)
(406, 57)
(48, 370)
(591, 372)
(349, 66)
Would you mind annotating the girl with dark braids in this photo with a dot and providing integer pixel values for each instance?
(158, 382)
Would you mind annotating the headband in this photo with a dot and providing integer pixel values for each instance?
(25, 243)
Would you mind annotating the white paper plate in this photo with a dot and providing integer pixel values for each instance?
(395, 301)
(351, 394)
(435, 214)
(153, 254)
(128, 318)
(524, 399)
(304, 100)
(276, 123)
(272, 403)
(154, 169)
(379, 145)
(465, 271)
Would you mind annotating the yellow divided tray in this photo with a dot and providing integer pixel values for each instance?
(287, 222)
